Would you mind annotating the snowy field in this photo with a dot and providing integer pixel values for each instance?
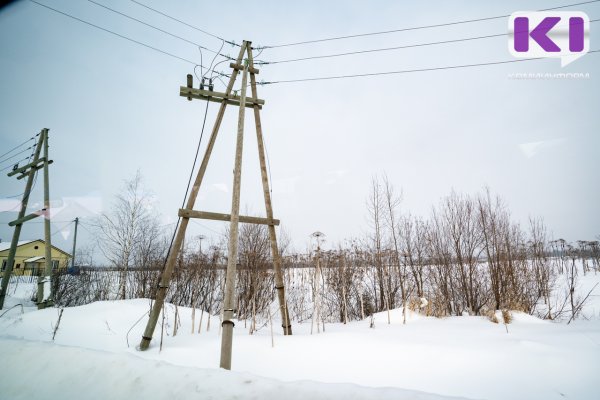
(428, 358)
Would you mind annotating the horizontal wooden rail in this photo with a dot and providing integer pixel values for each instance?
(185, 213)
(218, 97)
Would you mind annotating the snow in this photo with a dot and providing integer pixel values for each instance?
(466, 357)
(92, 374)
(6, 245)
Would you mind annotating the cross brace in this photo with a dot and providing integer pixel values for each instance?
(185, 213)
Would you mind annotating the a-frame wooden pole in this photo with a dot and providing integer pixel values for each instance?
(172, 258)
(279, 285)
(17, 232)
(232, 257)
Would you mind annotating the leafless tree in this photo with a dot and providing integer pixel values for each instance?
(129, 232)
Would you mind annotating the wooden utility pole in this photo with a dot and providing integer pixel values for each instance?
(45, 283)
(232, 257)
(246, 67)
(317, 286)
(30, 171)
(74, 246)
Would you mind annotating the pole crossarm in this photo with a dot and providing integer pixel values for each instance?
(34, 164)
(185, 213)
(26, 218)
(218, 97)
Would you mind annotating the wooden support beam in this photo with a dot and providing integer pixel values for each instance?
(218, 97)
(26, 218)
(24, 167)
(26, 173)
(240, 67)
(279, 281)
(185, 213)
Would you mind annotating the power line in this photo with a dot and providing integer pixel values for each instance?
(188, 185)
(195, 157)
(115, 33)
(408, 46)
(16, 147)
(11, 165)
(379, 49)
(67, 223)
(413, 28)
(84, 227)
(206, 227)
(21, 194)
(16, 154)
(185, 23)
(39, 222)
(158, 29)
(405, 71)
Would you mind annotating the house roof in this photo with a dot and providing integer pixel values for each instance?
(6, 245)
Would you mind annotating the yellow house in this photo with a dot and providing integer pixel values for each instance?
(30, 257)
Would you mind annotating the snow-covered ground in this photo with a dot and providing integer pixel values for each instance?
(467, 357)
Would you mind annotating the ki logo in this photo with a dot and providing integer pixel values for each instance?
(558, 34)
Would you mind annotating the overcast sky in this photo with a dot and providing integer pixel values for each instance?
(113, 108)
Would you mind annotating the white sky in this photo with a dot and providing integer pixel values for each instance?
(113, 108)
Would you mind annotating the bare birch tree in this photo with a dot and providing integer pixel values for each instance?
(129, 231)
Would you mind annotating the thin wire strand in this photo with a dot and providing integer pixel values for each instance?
(21, 194)
(11, 165)
(115, 33)
(415, 27)
(196, 156)
(16, 147)
(214, 58)
(188, 185)
(206, 227)
(15, 155)
(67, 223)
(406, 71)
(184, 23)
(196, 66)
(215, 72)
(39, 222)
(408, 46)
(154, 27)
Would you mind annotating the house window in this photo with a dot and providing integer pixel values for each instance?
(54, 265)
(18, 266)
(3, 265)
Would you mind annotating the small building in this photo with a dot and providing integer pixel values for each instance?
(30, 258)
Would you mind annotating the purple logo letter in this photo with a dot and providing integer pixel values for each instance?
(539, 34)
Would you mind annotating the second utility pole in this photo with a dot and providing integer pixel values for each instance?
(74, 246)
